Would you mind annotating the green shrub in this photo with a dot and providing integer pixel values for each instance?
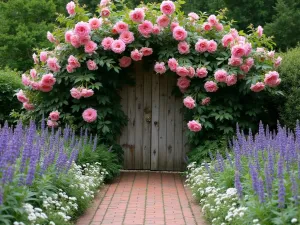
(9, 82)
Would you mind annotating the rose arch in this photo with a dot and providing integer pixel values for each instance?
(78, 81)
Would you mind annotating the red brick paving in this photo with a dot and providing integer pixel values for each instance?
(144, 198)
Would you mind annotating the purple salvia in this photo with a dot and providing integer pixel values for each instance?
(269, 181)
(211, 155)
(95, 143)
(228, 157)
(207, 168)
(237, 184)
(261, 191)
(294, 189)
(32, 165)
(85, 137)
(220, 162)
(66, 133)
(72, 158)
(254, 178)
(299, 167)
(1, 195)
(8, 174)
(281, 193)
(270, 163)
(91, 140)
(237, 157)
(280, 169)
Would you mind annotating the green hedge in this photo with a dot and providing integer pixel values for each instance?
(9, 82)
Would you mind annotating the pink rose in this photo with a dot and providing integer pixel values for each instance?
(45, 88)
(95, 23)
(71, 8)
(245, 68)
(207, 26)
(163, 21)
(127, 37)
(137, 15)
(189, 102)
(68, 36)
(261, 50)
(89, 115)
(271, 78)
(201, 45)
(73, 61)
(75, 41)
(234, 61)
(277, 61)
(156, 29)
(51, 123)
(54, 115)
(121, 27)
(146, 51)
(35, 58)
(25, 80)
(271, 54)
(105, 12)
(75, 93)
(21, 97)
(179, 33)
(84, 40)
(70, 69)
(82, 29)
(183, 83)
(212, 19)
(248, 48)
(125, 61)
(231, 80)
(210, 86)
(90, 47)
(211, 46)
(183, 47)
(118, 46)
(91, 65)
(193, 16)
(201, 72)
(234, 33)
(35, 85)
(227, 39)
(191, 72)
(145, 28)
(106, 43)
(173, 25)
(50, 37)
(205, 101)
(182, 71)
(33, 73)
(259, 86)
(160, 68)
(43, 56)
(104, 3)
(87, 93)
(221, 75)
(259, 31)
(53, 64)
(48, 80)
(28, 106)
(136, 55)
(249, 62)
(194, 126)
(167, 7)
(219, 27)
(238, 51)
(172, 63)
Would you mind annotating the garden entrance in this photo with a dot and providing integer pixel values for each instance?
(154, 138)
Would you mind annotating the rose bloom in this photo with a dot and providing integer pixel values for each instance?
(238, 51)
(189, 102)
(91, 65)
(105, 12)
(33, 73)
(205, 101)
(201, 45)
(86, 93)
(104, 3)
(68, 36)
(277, 61)
(106, 43)
(191, 72)
(212, 19)
(53, 64)
(25, 80)
(54, 116)
(71, 8)
(137, 15)
(259, 86)
(89, 115)
(260, 31)
(231, 80)
(182, 71)
(145, 28)
(194, 126)
(28, 106)
(70, 68)
(90, 47)
(245, 68)
(241, 76)
(136, 55)
(43, 56)
(219, 27)
(121, 27)
(206, 26)
(82, 29)
(261, 50)
(234, 61)
(84, 40)
(248, 48)
(95, 23)
(118, 46)
(193, 16)
(146, 51)
(183, 82)
(156, 29)
(75, 41)
(234, 33)
(45, 88)
(227, 39)
(271, 78)
(125, 61)
(35, 85)
(127, 37)
(173, 25)
(167, 7)
(183, 47)
(48, 79)
(210, 86)
(271, 54)
(51, 123)
(50, 37)
(249, 62)
(179, 33)
(21, 97)
(201, 72)
(35, 58)
(220, 75)
(212, 46)
(172, 63)
(73, 61)
(160, 67)
(163, 21)
(75, 93)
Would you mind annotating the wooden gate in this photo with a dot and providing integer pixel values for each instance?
(154, 138)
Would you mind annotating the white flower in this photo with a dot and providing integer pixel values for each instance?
(255, 221)
(51, 223)
(294, 220)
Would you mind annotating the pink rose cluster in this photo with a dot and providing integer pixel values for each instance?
(189, 102)
(204, 45)
(80, 92)
(22, 98)
(271, 79)
(45, 84)
(221, 75)
(73, 63)
(137, 55)
(212, 22)
(53, 119)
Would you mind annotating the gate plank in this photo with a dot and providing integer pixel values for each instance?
(124, 137)
(185, 143)
(155, 122)
(178, 134)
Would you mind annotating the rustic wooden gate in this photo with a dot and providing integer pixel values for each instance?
(154, 138)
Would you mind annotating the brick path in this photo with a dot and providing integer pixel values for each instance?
(147, 198)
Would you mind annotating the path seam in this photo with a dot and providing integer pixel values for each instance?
(162, 195)
(146, 197)
(179, 199)
(129, 198)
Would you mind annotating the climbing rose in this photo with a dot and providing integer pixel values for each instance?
(50, 37)
(75, 93)
(227, 39)
(21, 97)
(95, 23)
(53, 64)
(212, 19)
(238, 51)
(146, 51)
(249, 62)
(51, 123)
(90, 47)
(219, 27)
(75, 41)
(259, 86)
(163, 21)
(245, 68)
(210, 86)
(183, 47)
(206, 26)
(91, 65)
(235, 61)
(48, 80)
(71, 8)
(35, 58)
(137, 15)
(136, 55)
(189, 102)
(82, 29)
(104, 3)
(201, 45)
(89, 115)
(221, 75)
(191, 72)
(172, 63)
(193, 16)
(73, 62)
(205, 101)
(182, 71)
(35, 85)
(118, 46)
(271, 78)
(125, 61)
(179, 33)
(28, 106)
(145, 28)
(121, 27)
(277, 61)
(87, 93)
(211, 46)
(33, 73)
(231, 80)
(54, 116)
(194, 126)
(70, 69)
(68, 36)
(44, 87)
(25, 80)
(105, 12)
(167, 7)
(156, 29)
(183, 83)
(43, 56)
(127, 37)
(201, 72)
(106, 43)
(160, 67)
(260, 31)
